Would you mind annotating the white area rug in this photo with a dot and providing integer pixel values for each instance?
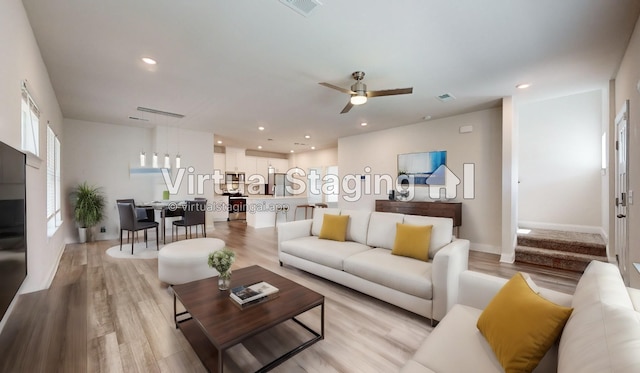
(139, 251)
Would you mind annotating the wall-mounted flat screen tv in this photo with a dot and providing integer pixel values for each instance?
(13, 239)
(421, 167)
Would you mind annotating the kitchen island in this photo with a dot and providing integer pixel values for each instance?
(261, 210)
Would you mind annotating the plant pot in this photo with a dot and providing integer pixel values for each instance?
(82, 233)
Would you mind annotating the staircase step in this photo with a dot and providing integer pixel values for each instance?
(575, 242)
(556, 259)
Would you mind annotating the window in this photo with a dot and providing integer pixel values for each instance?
(54, 216)
(30, 123)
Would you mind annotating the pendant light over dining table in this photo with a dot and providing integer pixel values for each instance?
(167, 157)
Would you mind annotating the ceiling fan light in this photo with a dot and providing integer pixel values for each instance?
(359, 98)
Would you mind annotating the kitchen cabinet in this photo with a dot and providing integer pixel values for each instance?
(250, 163)
(234, 159)
(280, 165)
(219, 162)
(262, 167)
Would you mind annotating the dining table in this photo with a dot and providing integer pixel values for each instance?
(167, 209)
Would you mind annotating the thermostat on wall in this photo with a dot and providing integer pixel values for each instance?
(466, 129)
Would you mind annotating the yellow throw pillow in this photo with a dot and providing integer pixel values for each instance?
(334, 227)
(521, 325)
(412, 241)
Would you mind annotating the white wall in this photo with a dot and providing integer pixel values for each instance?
(481, 217)
(625, 89)
(102, 154)
(317, 158)
(560, 163)
(21, 60)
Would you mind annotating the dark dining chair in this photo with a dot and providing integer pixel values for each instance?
(194, 215)
(130, 223)
(142, 213)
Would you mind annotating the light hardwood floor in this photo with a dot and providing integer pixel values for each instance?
(113, 315)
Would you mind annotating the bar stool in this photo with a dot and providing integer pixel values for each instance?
(306, 209)
(281, 209)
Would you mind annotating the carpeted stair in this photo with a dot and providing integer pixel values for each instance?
(563, 250)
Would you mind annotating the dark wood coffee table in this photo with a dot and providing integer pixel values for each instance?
(215, 324)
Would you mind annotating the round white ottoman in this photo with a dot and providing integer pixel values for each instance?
(186, 261)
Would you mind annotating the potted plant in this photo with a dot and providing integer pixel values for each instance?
(222, 260)
(88, 207)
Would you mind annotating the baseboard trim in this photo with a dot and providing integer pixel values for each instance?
(508, 257)
(561, 227)
(484, 248)
(24, 289)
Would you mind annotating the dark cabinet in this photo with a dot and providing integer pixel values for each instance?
(451, 210)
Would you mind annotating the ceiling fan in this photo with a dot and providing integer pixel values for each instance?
(359, 93)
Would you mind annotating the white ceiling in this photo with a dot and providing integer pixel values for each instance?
(233, 65)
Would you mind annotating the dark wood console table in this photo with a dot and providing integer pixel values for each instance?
(451, 210)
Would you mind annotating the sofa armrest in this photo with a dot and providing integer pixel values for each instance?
(478, 289)
(634, 294)
(293, 229)
(448, 263)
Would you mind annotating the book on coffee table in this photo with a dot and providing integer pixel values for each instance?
(254, 302)
(250, 293)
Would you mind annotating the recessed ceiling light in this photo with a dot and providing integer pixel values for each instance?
(259, 146)
(149, 61)
(219, 141)
(313, 148)
(363, 124)
(291, 151)
(427, 117)
(523, 85)
(307, 136)
(260, 128)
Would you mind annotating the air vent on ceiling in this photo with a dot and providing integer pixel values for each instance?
(140, 119)
(446, 97)
(160, 112)
(304, 7)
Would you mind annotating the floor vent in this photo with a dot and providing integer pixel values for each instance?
(304, 7)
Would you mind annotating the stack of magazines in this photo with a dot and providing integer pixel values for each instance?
(247, 295)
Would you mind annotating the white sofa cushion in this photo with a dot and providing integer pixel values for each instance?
(457, 332)
(413, 366)
(358, 225)
(382, 229)
(600, 338)
(326, 252)
(603, 332)
(318, 218)
(407, 275)
(601, 282)
(441, 233)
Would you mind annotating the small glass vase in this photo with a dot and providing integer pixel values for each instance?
(224, 280)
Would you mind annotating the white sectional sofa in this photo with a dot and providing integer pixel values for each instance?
(601, 335)
(364, 261)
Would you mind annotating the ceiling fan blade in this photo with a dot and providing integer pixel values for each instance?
(347, 108)
(390, 92)
(343, 90)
